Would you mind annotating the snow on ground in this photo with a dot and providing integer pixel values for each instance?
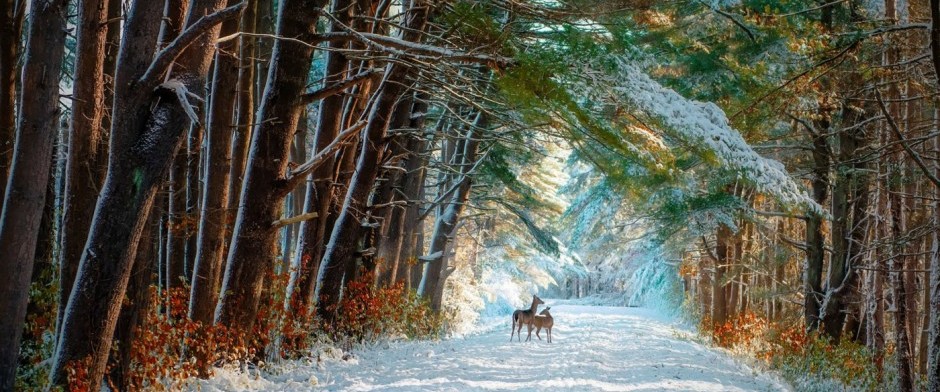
(595, 348)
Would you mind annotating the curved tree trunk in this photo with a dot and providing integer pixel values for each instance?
(342, 246)
(254, 240)
(23, 202)
(148, 125)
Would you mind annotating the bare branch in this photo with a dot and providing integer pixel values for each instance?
(907, 148)
(294, 219)
(405, 48)
(338, 87)
(168, 55)
(730, 17)
(299, 172)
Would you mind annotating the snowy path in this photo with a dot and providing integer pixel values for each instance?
(594, 349)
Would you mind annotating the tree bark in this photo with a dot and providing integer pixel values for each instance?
(849, 208)
(896, 265)
(194, 170)
(245, 116)
(719, 284)
(11, 22)
(319, 196)
(87, 146)
(175, 254)
(148, 125)
(215, 198)
(341, 248)
(173, 19)
(446, 223)
(815, 240)
(136, 306)
(254, 240)
(933, 349)
(415, 171)
(388, 244)
(36, 126)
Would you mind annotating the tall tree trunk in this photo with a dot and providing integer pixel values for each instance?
(23, 202)
(815, 240)
(898, 261)
(173, 20)
(849, 207)
(148, 126)
(135, 307)
(446, 224)
(212, 221)
(254, 240)
(246, 112)
(39, 310)
(175, 252)
(194, 170)
(266, 22)
(87, 148)
(389, 244)
(415, 171)
(922, 349)
(319, 195)
(719, 281)
(11, 22)
(412, 112)
(896, 265)
(341, 248)
(933, 349)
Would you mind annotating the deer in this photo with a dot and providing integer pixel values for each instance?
(543, 320)
(524, 317)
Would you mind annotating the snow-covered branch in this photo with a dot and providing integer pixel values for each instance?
(299, 172)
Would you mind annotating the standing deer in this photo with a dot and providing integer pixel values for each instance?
(543, 320)
(524, 317)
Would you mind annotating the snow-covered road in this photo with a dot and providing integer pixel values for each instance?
(594, 349)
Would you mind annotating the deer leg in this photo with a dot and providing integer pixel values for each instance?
(528, 338)
(537, 330)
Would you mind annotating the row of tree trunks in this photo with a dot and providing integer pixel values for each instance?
(11, 21)
(25, 195)
(148, 125)
(320, 186)
(341, 249)
(446, 224)
(254, 239)
(213, 220)
(87, 140)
